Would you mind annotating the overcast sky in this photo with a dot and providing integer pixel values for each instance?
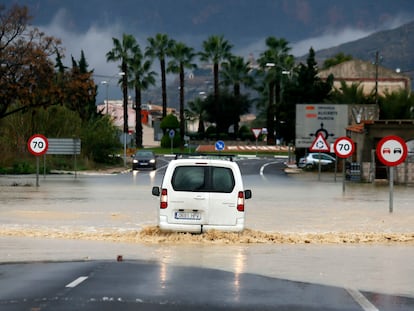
(96, 41)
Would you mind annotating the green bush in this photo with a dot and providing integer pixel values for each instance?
(166, 141)
(23, 168)
(170, 122)
(245, 133)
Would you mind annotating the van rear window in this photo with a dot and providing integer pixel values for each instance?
(203, 179)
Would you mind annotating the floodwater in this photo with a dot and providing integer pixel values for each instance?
(298, 227)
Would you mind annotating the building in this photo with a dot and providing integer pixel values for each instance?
(366, 136)
(371, 77)
(367, 132)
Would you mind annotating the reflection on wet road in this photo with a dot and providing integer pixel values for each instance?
(145, 285)
(305, 214)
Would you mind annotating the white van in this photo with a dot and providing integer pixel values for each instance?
(200, 194)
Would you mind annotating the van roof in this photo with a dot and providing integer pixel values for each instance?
(215, 156)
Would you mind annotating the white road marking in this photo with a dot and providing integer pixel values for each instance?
(77, 281)
(365, 304)
(264, 165)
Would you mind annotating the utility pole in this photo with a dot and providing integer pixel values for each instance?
(376, 76)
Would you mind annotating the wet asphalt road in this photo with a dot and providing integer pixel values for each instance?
(157, 285)
(145, 285)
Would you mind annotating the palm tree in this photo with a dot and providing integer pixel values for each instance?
(216, 49)
(350, 94)
(159, 47)
(182, 58)
(141, 78)
(278, 58)
(236, 73)
(123, 51)
(195, 111)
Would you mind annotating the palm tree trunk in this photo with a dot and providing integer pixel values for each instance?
(125, 96)
(182, 121)
(163, 89)
(236, 90)
(270, 115)
(216, 94)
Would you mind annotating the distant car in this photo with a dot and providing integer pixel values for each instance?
(312, 160)
(144, 159)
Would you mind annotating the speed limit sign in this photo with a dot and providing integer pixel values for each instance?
(37, 144)
(344, 147)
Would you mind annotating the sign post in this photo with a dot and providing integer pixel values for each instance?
(392, 151)
(37, 145)
(344, 147)
(171, 134)
(256, 133)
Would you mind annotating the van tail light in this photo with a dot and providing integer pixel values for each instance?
(240, 202)
(163, 200)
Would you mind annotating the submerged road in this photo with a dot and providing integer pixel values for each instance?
(47, 264)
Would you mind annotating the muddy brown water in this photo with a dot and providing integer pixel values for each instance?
(298, 228)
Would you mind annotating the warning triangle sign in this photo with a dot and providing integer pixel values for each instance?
(319, 144)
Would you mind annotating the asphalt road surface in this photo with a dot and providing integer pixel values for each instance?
(54, 270)
(140, 285)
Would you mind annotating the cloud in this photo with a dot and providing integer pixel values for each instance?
(328, 40)
(96, 41)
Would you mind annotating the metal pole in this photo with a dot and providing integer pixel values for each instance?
(391, 168)
(319, 166)
(107, 108)
(256, 147)
(37, 171)
(343, 175)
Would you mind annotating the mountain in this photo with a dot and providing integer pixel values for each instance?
(395, 48)
(240, 21)
(90, 25)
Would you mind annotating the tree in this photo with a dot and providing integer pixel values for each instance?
(159, 47)
(397, 105)
(215, 50)
(124, 52)
(351, 94)
(309, 87)
(196, 111)
(236, 73)
(336, 59)
(27, 79)
(273, 62)
(141, 78)
(182, 58)
(80, 89)
(167, 124)
(229, 109)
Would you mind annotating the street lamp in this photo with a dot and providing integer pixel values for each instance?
(106, 83)
(273, 102)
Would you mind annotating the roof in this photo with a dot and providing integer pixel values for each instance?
(359, 69)
(359, 128)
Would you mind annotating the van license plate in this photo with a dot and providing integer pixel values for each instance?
(187, 215)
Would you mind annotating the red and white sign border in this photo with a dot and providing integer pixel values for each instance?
(383, 145)
(35, 151)
(349, 142)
